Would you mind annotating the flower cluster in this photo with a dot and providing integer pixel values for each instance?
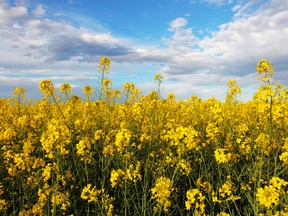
(195, 198)
(161, 193)
(269, 196)
(119, 152)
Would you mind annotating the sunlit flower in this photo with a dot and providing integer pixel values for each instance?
(161, 192)
(116, 175)
(221, 156)
(168, 156)
(265, 67)
(84, 150)
(195, 199)
(223, 214)
(90, 193)
(104, 65)
(191, 198)
(46, 87)
(106, 82)
(18, 91)
(284, 157)
(88, 90)
(158, 77)
(269, 196)
(65, 88)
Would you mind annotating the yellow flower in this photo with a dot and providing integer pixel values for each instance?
(104, 65)
(65, 88)
(270, 194)
(56, 138)
(226, 189)
(206, 186)
(106, 82)
(46, 86)
(221, 156)
(195, 199)
(161, 193)
(184, 166)
(62, 199)
(81, 146)
(233, 91)
(122, 139)
(265, 67)
(158, 77)
(245, 187)
(284, 157)
(226, 192)
(262, 142)
(104, 61)
(128, 87)
(212, 131)
(132, 173)
(110, 210)
(98, 134)
(115, 176)
(18, 91)
(223, 214)
(90, 194)
(84, 150)
(3, 204)
(1, 189)
(231, 83)
(191, 198)
(278, 182)
(88, 90)
(47, 172)
(74, 99)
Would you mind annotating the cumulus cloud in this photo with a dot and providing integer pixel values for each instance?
(183, 39)
(39, 11)
(31, 43)
(177, 23)
(11, 14)
(237, 46)
(28, 37)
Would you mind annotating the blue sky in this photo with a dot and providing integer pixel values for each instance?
(198, 45)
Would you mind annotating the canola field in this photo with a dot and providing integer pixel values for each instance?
(143, 154)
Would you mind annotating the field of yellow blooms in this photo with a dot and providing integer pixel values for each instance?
(145, 155)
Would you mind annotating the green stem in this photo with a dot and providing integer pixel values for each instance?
(102, 78)
(54, 99)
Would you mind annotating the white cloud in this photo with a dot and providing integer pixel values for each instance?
(183, 39)
(11, 14)
(39, 40)
(233, 51)
(250, 38)
(243, 40)
(177, 23)
(217, 2)
(106, 39)
(243, 10)
(39, 11)
(30, 44)
(236, 8)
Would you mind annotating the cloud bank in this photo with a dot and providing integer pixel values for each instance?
(34, 46)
